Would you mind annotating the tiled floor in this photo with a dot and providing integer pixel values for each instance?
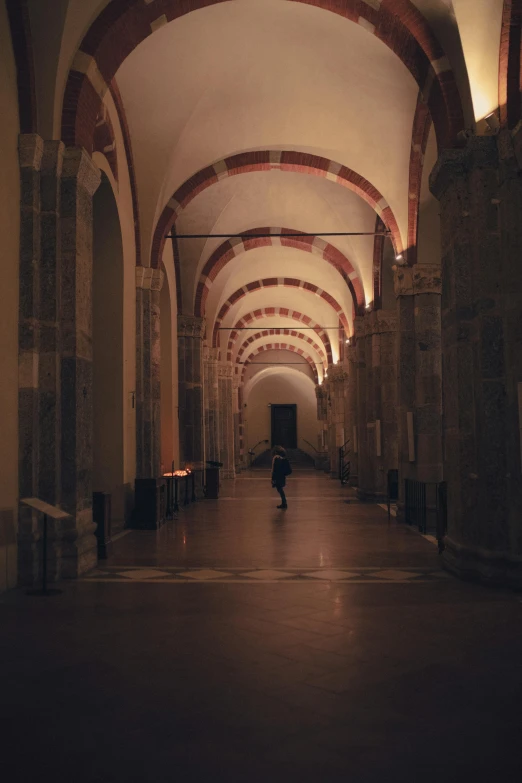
(241, 643)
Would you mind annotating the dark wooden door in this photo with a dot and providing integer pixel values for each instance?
(284, 426)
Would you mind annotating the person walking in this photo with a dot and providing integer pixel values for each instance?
(281, 468)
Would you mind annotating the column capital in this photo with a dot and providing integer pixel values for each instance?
(380, 322)
(320, 391)
(455, 164)
(358, 325)
(30, 151)
(149, 278)
(225, 370)
(417, 279)
(52, 159)
(191, 326)
(351, 353)
(427, 279)
(78, 165)
(403, 281)
(337, 374)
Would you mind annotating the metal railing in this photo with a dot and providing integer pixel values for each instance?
(344, 463)
(425, 506)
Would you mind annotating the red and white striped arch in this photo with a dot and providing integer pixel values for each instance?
(283, 312)
(278, 333)
(268, 160)
(123, 24)
(280, 347)
(275, 282)
(231, 248)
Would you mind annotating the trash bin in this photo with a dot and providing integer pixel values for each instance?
(212, 479)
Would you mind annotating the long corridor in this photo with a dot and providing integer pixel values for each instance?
(244, 643)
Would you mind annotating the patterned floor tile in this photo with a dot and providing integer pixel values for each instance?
(395, 575)
(267, 574)
(331, 574)
(204, 574)
(143, 573)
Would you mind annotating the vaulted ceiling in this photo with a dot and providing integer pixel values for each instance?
(270, 115)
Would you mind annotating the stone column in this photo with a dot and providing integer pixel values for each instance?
(362, 430)
(191, 331)
(31, 148)
(55, 354)
(226, 419)
(381, 415)
(350, 413)
(428, 372)
(321, 392)
(212, 436)
(148, 379)
(481, 344)
(240, 457)
(80, 179)
(403, 282)
(335, 385)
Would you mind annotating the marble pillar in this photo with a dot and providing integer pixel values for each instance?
(80, 179)
(212, 434)
(405, 377)
(55, 354)
(191, 331)
(335, 386)
(226, 419)
(148, 377)
(322, 461)
(378, 447)
(31, 148)
(240, 435)
(350, 413)
(362, 429)
(479, 190)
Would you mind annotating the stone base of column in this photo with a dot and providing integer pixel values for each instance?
(369, 496)
(482, 565)
(401, 512)
(71, 547)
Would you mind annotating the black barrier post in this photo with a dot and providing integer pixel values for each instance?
(193, 479)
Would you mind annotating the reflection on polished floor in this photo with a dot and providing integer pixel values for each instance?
(243, 643)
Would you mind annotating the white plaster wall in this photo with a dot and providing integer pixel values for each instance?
(282, 388)
(9, 264)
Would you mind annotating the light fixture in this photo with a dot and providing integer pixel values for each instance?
(348, 341)
(398, 257)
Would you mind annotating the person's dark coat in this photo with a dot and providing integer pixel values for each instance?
(280, 470)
